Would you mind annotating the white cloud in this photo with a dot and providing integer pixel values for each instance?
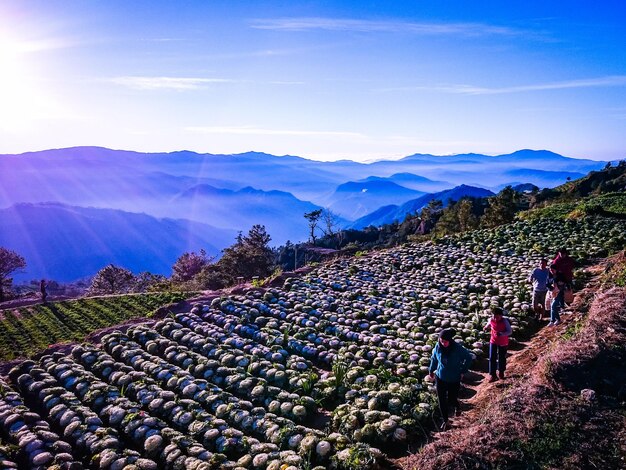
(168, 83)
(39, 45)
(248, 130)
(186, 83)
(283, 82)
(384, 26)
(599, 82)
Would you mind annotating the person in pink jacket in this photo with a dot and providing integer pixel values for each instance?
(498, 343)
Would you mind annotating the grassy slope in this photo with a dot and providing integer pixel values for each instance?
(612, 179)
(606, 205)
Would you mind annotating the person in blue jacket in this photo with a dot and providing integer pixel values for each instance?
(448, 363)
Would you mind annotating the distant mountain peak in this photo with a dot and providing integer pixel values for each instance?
(389, 214)
(526, 153)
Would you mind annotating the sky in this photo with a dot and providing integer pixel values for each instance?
(325, 80)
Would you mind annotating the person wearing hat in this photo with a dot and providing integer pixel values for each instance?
(498, 343)
(448, 362)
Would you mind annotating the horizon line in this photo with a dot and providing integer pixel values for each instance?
(367, 162)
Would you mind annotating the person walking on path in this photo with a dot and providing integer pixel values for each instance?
(559, 284)
(540, 278)
(42, 289)
(564, 264)
(448, 362)
(498, 343)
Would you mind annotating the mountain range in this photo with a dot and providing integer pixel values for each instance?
(397, 213)
(203, 199)
(356, 199)
(66, 243)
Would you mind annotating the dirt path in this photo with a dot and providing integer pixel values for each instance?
(502, 417)
(478, 393)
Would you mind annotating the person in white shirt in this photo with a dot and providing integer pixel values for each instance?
(540, 278)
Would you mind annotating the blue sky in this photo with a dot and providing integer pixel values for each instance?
(323, 80)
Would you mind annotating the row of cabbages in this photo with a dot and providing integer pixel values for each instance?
(258, 435)
(184, 415)
(37, 446)
(91, 440)
(157, 442)
(270, 375)
(585, 238)
(230, 369)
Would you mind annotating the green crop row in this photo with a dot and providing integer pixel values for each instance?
(27, 330)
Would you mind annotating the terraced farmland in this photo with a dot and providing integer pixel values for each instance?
(327, 372)
(27, 330)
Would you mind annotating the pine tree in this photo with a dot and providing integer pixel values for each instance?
(250, 255)
(502, 208)
(313, 217)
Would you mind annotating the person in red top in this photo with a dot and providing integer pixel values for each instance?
(563, 263)
(499, 342)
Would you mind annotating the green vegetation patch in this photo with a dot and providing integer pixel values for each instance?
(607, 205)
(549, 442)
(28, 330)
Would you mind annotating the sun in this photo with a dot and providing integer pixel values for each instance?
(22, 98)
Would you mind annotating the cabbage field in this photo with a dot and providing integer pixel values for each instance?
(328, 371)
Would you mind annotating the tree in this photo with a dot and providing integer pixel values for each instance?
(448, 222)
(313, 217)
(331, 227)
(409, 227)
(212, 277)
(112, 280)
(502, 208)
(457, 217)
(146, 282)
(466, 217)
(431, 212)
(429, 216)
(250, 255)
(10, 262)
(189, 265)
